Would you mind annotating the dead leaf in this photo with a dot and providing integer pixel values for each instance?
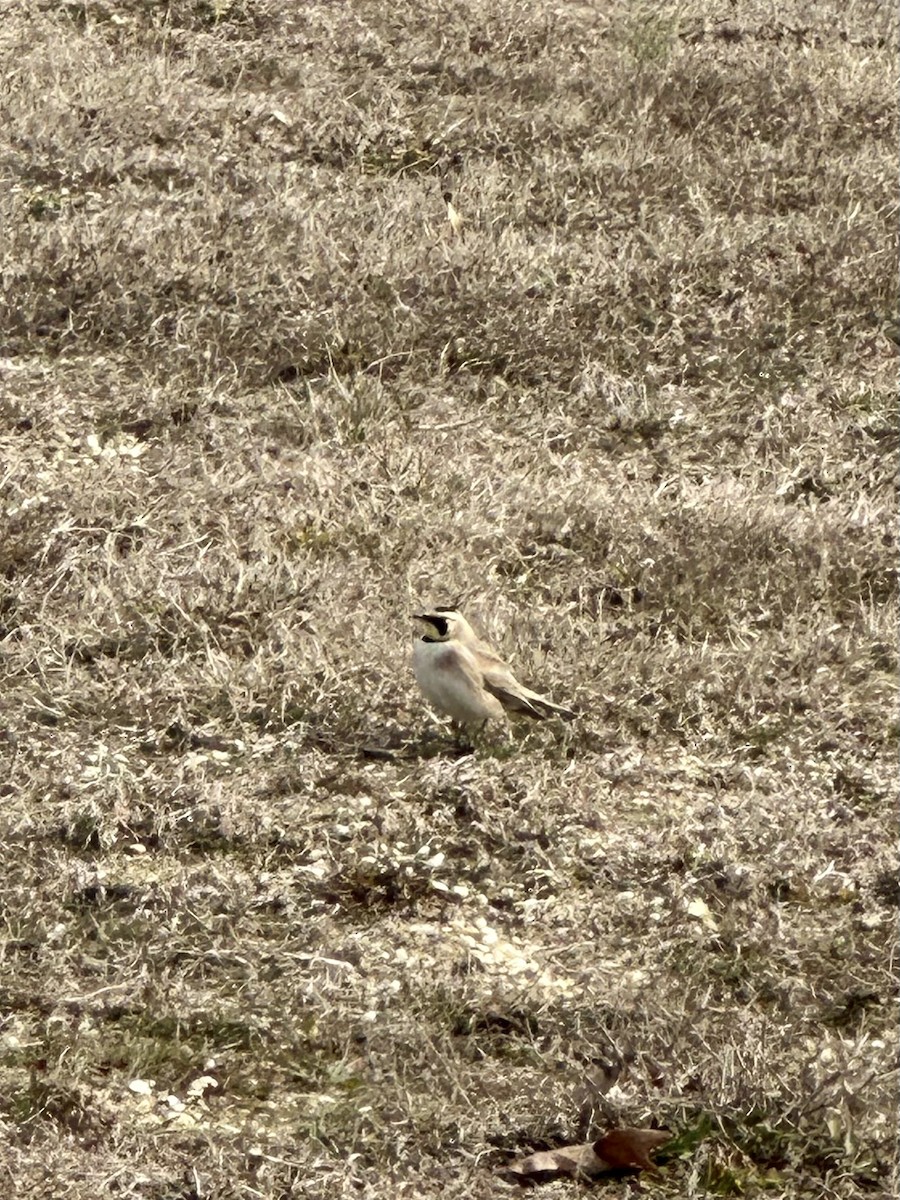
(620, 1148)
(567, 1160)
(631, 1147)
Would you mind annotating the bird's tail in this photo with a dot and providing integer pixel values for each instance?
(548, 709)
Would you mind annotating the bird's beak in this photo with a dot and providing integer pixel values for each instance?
(418, 616)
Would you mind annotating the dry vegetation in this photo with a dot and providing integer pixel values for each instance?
(263, 934)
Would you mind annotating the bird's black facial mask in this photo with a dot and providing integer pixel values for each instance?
(436, 623)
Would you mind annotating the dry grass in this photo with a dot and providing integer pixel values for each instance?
(258, 399)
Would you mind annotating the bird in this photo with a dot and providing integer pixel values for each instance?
(463, 678)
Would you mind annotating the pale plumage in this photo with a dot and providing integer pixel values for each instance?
(464, 679)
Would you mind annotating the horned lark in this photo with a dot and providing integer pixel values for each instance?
(465, 679)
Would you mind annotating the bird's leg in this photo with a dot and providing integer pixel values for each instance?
(479, 737)
(461, 738)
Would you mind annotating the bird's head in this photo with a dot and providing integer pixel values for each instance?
(443, 625)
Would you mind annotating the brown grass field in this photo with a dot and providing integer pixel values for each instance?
(265, 932)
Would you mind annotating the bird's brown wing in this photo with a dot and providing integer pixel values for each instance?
(513, 698)
(499, 680)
